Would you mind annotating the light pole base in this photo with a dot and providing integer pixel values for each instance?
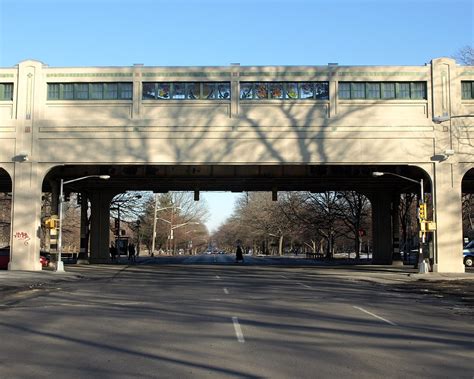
(59, 266)
(424, 268)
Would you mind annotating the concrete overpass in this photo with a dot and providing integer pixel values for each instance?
(238, 128)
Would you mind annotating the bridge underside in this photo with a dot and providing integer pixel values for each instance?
(237, 178)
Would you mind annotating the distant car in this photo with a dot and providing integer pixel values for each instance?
(468, 253)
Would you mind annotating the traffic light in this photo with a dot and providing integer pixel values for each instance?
(52, 222)
(422, 211)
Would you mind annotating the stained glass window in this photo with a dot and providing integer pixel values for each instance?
(291, 91)
(321, 90)
(179, 91)
(276, 90)
(193, 91)
(246, 91)
(223, 91)
(261, 91)
(163, 91)
(209, 91)
(306, 91)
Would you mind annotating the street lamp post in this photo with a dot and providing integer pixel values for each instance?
(172, 228)
(154, 221)
(60, 264)
(422, 269)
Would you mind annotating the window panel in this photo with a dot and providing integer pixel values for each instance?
(193, 91)
(97, 91)
(149, 91)
(467, 90)
(111, 91)
(344, 90)
(261, 91)
(53, 91)
(403, 91)
(291, 91)
(246, 91)
(179, 91)
(223, 91)
(209, 91)
(126, 91)
(321, 91)
(373, 90)
(163, 91)
(68, 91)
(276, 90)
(306, 91)
(388, 90)
(358, 90)
(418, 90)
(82, 91)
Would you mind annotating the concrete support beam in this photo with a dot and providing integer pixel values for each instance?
(382, 228)
(100, 228)
(448, 211)
(26, 213)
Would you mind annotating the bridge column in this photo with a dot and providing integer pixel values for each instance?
(26, 213)
(83, 257)
(448, 216)
(100, 225)
(397, 257)
(382, 228)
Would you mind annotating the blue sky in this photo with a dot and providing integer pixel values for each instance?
(220, 32)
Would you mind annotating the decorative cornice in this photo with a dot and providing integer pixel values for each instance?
(467, 73)
(90, 75)
(379, 73)
(7, 76)
(291, 73)
(185, 74)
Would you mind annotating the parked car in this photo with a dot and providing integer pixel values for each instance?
(5, 258)
(468, 253)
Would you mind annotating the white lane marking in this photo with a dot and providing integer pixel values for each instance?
(226, 291)
(374, 315)
(238, 330)
(284, 277)
(304, 285)
(218, 277)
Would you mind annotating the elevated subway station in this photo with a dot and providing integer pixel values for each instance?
(238, 129)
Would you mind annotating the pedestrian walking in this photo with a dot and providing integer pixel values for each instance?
(113, 252)
(131, 253)
(239, 255)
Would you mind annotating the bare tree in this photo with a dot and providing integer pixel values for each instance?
(465, 55)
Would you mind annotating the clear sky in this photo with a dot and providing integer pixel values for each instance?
(220, 32)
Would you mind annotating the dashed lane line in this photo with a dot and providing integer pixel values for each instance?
(238, 330)
(226, 291)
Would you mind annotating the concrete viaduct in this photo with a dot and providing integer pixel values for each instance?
(236, 128)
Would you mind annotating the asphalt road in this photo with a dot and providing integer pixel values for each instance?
(203, 320)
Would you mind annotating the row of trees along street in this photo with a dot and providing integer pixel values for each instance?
(299, 222)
